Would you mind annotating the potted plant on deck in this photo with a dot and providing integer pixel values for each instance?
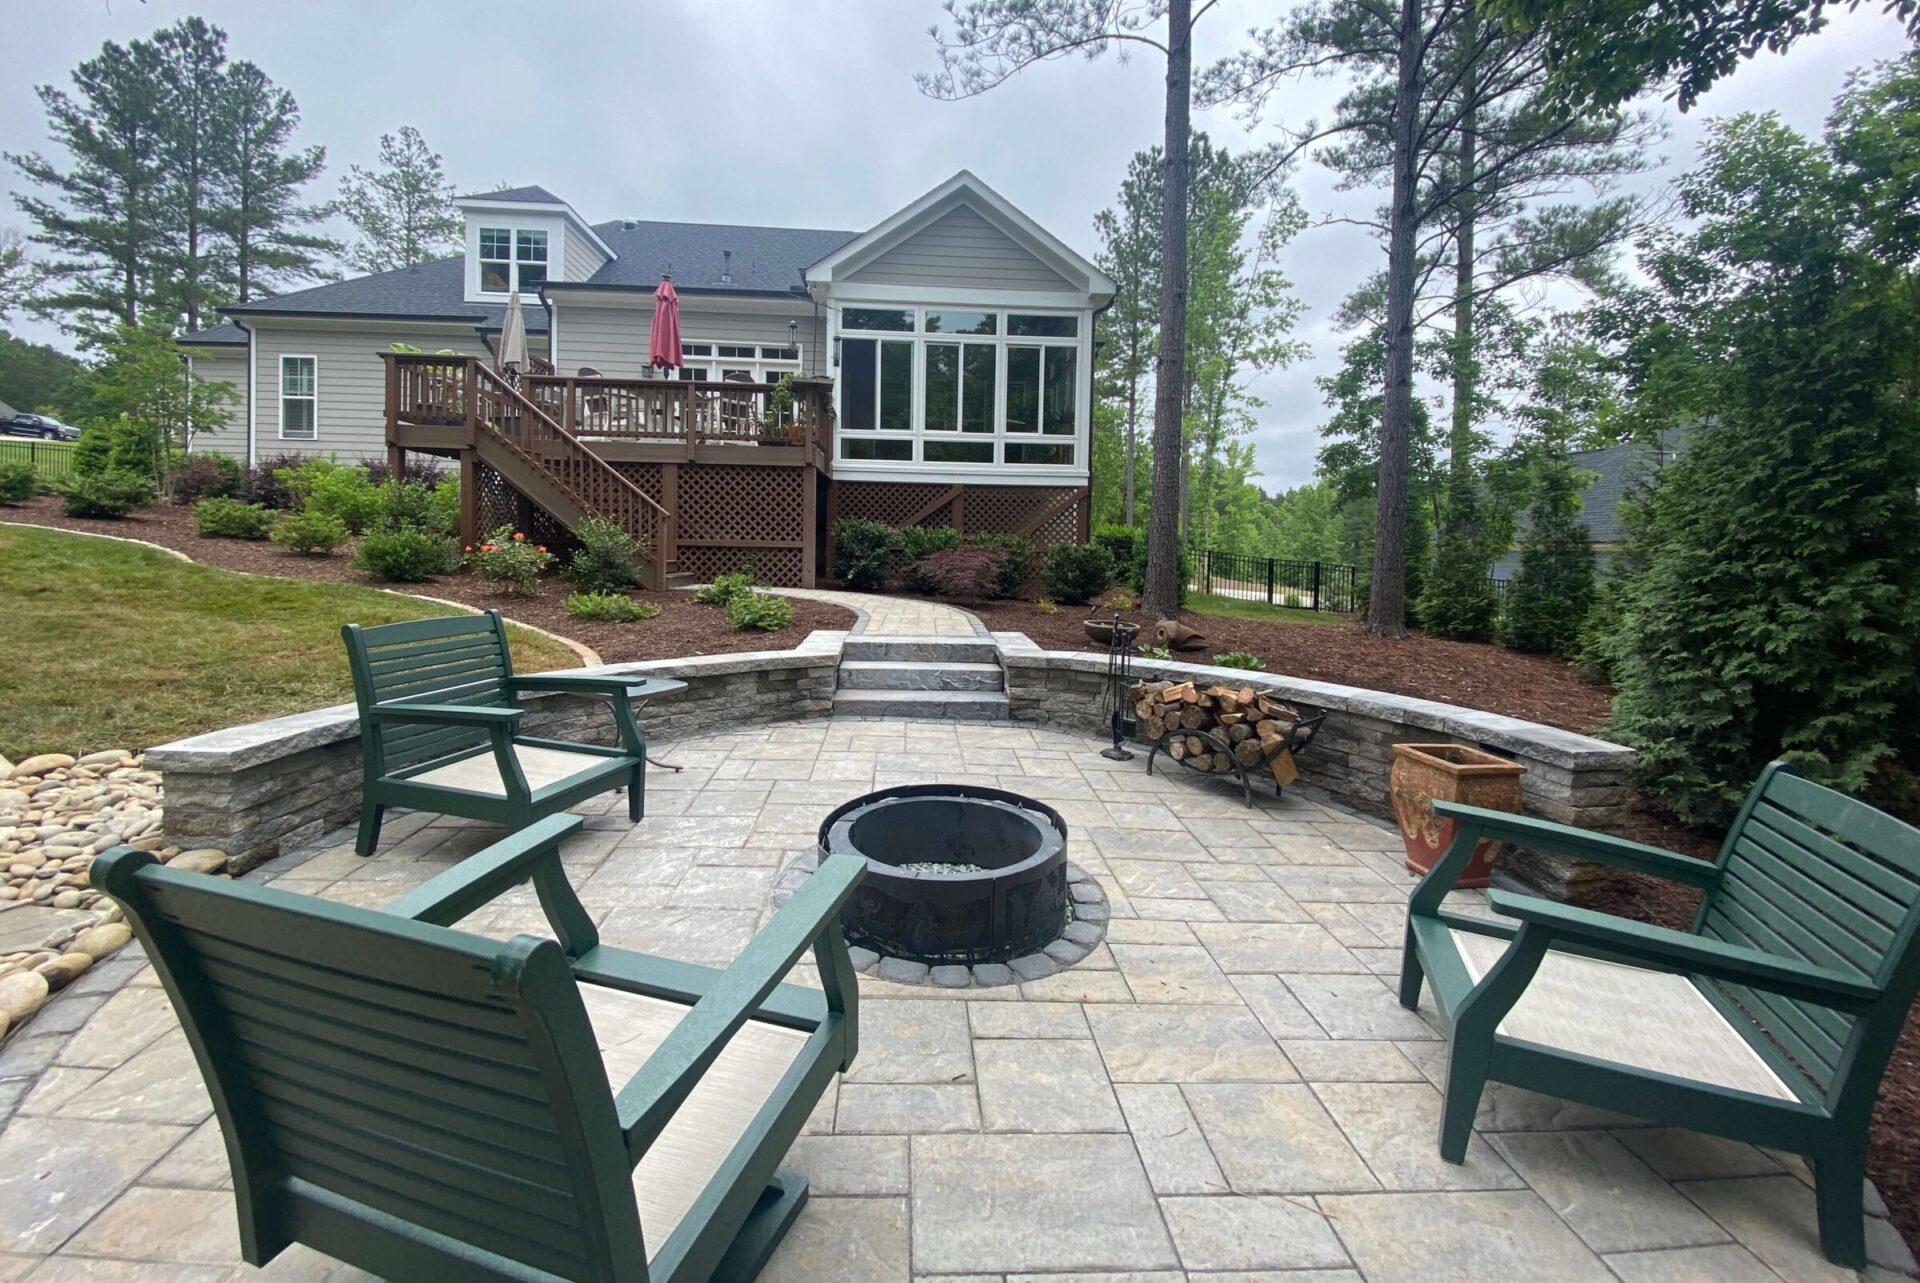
(1424, 773)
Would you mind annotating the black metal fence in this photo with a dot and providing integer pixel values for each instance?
(50, 460)
(1278, 581)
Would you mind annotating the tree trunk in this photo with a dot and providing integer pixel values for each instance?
(1162, 596)
(1387, 597)
(1133, 428)
(1465, 373)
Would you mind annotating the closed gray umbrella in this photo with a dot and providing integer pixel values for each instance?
(513, 336)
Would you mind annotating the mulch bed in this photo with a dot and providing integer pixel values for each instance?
(1534, 687)
(681, 628)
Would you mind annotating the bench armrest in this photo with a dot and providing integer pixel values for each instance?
(661, 1085)
(532, 852)
(1654, 946)
(591, 684)
(447, 714)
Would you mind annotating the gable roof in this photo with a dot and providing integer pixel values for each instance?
(517, 195)
(964, 188)
(695, 255)
(227, 335)
(433, 291)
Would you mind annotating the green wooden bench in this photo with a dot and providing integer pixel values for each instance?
(432, 1105)
(1770, 1022)
(439, 728)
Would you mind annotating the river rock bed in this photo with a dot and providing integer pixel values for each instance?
(56, 814)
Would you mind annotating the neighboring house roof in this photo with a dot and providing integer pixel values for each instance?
(523, 195)
(228, 335)
(695, 256)
(1620, 472)
(7, 411)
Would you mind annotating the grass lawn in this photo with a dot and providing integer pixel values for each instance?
(109, 645)
(1201, 603)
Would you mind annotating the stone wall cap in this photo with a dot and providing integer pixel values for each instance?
(1549, 744)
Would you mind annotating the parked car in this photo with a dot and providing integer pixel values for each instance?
(39, 425)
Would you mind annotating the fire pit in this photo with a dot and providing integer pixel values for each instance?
(958, 876)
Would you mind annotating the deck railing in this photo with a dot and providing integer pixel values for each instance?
(696, 411)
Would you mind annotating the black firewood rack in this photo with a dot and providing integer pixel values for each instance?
(1295, 742)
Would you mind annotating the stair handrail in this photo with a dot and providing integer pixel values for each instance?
(658, 520)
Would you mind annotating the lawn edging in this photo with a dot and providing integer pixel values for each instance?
(1571, 778)
(254, 789)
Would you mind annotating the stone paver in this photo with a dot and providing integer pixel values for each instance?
(1224, 1091)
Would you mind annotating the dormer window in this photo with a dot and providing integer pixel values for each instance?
(512, 261)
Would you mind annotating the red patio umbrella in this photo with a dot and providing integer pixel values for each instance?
(665, 347)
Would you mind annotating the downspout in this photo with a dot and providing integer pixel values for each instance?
(252, 358)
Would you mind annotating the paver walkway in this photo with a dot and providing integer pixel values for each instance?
(1225, 1092)
(895, 616)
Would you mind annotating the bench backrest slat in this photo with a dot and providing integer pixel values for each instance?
(1812, 874)
(448, 1082)
(460, 659)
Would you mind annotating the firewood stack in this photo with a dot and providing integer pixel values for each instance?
(1253, 725)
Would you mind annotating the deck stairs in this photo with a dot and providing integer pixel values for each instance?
(958, 678)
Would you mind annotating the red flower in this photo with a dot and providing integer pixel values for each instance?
(518, 537)
(541, 548)
(488, 547)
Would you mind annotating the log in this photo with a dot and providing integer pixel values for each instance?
(1194, 719)
(1231, 719)
(1177, 694)
(1196, 745)
(1247, 752)
(1284, 771)
(1222, 762)
(1271, 744)
(1266, 726)
(1177, 749)
(1239, 733)
(1244, 694)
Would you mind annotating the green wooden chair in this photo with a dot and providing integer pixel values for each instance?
(1770, 1022)
(435, 1106)
(439, 728)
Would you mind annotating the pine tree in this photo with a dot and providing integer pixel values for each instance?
(109, 227)
(192, 58)
(1552, 591)
(404, 209)
(260, 180)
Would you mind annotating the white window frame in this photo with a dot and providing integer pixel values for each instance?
(513, 224)
(765, 369)
(512, 260)
(281, 398)
(1080, 439)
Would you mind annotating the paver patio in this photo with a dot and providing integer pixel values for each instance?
(1225, 1092)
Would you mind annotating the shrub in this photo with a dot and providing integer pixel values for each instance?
(263, 483)
(104, 494)
(1016, 561)
(864, 552)
(919, 542)
(1292, 601)
(759, 610)
(609, 607)
(424, 469)
(1121, 599)
(1548, 600)
(966, 573)
(415, 505)
(1156, 652)
(405, 556)
(311, 534)
(115, 445)
(1122, 543)
(231, 519)
(337, 490)
(606, 560)
(1241, 659)
(725, 588)
(17, 482)
(510, 562)
(1137, 572)
(205, 476)
(1045, 606)
(1077, 572)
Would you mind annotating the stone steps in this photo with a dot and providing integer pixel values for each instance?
(957, 678)
(919, 675)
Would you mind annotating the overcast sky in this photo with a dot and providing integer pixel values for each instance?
(790, 112)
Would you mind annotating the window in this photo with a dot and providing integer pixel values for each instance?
(1042, 327)
(1042, 383)
(957, 393)
(512, 261)
(878, 377)
(709, 362)
(298, 398)
(876, 318)
(962, 323)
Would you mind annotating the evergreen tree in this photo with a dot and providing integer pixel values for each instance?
(261, 178)
(1778, 611)
(35, 377)
(403, 210)
(1130, 255)
(109, 227)
(19, 275)
(1553, 590)
(192, 60)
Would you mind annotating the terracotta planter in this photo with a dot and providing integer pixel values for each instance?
(1424, 773)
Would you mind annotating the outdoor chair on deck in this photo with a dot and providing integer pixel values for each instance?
(1770, 1022)
(439, 728)
(428, 1104)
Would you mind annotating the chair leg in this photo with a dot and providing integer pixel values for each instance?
(371, 813)
(1411, 973)
(1466, 1079)
(637, 793)
(765, 1226)
(1838, 1199)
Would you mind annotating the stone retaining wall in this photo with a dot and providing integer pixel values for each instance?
(249, 790)
(1573, 779)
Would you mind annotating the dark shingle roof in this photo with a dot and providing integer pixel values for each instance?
(1618, 473)
(694, 254)
(428, 291)
(525, 195)
(228, 335)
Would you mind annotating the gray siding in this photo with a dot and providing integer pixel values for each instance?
(224, 365)
(613, 340)
(350, 379)
(960, 250)
(582, 259)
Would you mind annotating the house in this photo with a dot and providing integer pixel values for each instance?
(938, 367)
(1614, 474)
